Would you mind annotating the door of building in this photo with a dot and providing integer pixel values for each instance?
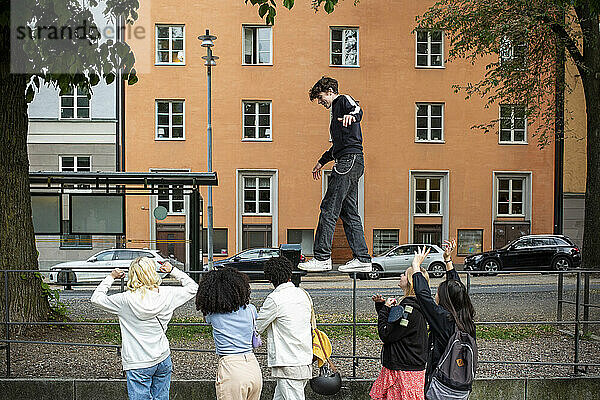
(170, 240)
(428, 234)
(506, 232)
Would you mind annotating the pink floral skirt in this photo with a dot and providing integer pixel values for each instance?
(398, 385)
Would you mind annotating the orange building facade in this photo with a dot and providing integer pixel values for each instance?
(428, 175)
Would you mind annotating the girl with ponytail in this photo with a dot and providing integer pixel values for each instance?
(451, 309)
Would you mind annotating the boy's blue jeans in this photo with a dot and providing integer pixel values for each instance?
(341, 201)
(150, 383)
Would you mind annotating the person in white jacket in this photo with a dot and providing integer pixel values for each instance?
(144, 311)
(285, 315)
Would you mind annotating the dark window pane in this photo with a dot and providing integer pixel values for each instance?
(436, 109)
(66, 113)
(163, 107)
(177, 132)
(250, 133)
(264, 133)
(249, 120)
(336, 59)
(336, 47)
(517, 184)
(264, 207)
(422, 36)
(249, 108)
(434, 184)
(503, 208)
(434, 208)
(422, 60)
(505, 136)
(422, 109)
(517, 208)
(436, 36)
(421, 122)
(436, 61)
(83, 113)
(436, 134)
(420, 208)
(336, 34)
(264, 108)
(264, 120)
(503, 184)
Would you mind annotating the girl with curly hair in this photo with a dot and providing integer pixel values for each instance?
(224, 299)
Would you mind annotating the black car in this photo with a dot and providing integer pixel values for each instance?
(531, 252)
(251, 261)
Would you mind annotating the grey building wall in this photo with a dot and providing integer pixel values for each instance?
(573, 216)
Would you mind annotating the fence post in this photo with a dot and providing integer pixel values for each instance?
(577, 289)
(468, 282)
(6, 326)
(559, 307)
(586, 303)
(354, 359)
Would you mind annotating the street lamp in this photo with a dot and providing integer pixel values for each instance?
(210, 61)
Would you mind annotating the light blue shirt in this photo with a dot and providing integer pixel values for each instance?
(232, 332)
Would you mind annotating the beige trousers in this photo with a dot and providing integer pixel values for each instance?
(238, 377)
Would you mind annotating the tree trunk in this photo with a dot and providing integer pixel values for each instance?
(26, 299)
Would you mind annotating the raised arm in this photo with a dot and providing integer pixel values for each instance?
(449, 247)
(100, 297)
(181, 295)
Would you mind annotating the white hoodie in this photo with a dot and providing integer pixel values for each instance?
(143, 339)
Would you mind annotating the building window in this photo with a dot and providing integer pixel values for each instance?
(344, 46)
(513, 52)
(257, 45)
(75, 164)
(170, 41)
(75, 104)
(430, 122)
(219, 241)
(430, 49)
(469, 241)
(427, 196)
(304, 237)
(257, 120)
(68, 241)
(171, 198)
(385, 239)
(510, 196)
(257, 195)
(513, 124)
(256, 235)
(170, 119)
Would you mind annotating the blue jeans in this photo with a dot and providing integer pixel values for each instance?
(341, 201)
(150, 383)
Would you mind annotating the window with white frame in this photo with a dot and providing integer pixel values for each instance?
(513, 124)
(385, 239)
(430, 122)
(171, 198)
(513, 52)
(75, 104)
(428, 196)
(257, 195)
(170, 119)
(75, 163)
(257, 120)
(430, 49)
(170, 41)
(510, 196)
(344, 46)
(257, 45)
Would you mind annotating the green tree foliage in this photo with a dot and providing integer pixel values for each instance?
(267, 9)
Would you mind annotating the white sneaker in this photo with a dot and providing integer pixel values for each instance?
(355, 265)
(314, 265)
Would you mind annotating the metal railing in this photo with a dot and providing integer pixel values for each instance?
(579, 324)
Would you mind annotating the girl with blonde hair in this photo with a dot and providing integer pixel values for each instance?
(144, 311)
(403, 330)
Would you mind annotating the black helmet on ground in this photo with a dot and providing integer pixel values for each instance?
(327, 383)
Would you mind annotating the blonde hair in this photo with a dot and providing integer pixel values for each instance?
(143, 275)
(409, 274)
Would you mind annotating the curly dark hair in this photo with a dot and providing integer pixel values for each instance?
(278, 270)
(222, 291)
(323, 85)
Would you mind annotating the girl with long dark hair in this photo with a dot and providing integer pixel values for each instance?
(224, 299)
(451, 309)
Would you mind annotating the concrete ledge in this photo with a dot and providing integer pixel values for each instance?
(104, 389)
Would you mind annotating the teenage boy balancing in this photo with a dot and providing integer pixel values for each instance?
(341, 198)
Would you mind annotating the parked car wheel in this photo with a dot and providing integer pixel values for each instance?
(437, 270)
(561, 264)
(376, 273)
(491, 266)
(66, 277)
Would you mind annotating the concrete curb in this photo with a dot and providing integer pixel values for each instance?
(111, 389)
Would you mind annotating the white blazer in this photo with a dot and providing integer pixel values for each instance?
(285, 315)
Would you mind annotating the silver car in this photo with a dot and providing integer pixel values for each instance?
(397, 259)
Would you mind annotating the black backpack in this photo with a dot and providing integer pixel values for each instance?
(453, 377)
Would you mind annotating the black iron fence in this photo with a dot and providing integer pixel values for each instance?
(581, 324)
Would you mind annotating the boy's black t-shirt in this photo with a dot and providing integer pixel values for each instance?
(345, 139)
(404, 347)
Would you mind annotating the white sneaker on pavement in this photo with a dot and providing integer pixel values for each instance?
(314, 265)
(355, 265)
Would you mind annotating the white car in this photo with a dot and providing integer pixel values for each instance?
(95, 268)
(397, 259)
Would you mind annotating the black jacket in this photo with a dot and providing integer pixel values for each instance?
(345, 139)
(404, 348)
(441, 322)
